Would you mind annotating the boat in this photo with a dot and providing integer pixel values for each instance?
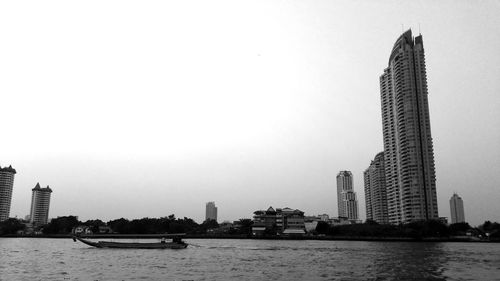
(176, 243)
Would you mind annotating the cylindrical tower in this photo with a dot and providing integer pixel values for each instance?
(6, 186)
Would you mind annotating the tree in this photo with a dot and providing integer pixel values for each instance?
(176, 227)
(489, 226)
(246, 226)
(322, 227)
(11, 226)
(61, 225)
(428, 228)
(492, 229)
(190, 226)
(459, 228)
(208, 224)
(120, 225)
(94, 225)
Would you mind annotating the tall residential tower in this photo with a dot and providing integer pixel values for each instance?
(210, 211)
(408, 151)
(40, 203)
(346, 197)
(375, 191)
(6, 186)
(457, 209)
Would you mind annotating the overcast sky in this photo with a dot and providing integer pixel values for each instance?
(145, 109)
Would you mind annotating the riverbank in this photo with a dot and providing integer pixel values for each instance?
(323, 238)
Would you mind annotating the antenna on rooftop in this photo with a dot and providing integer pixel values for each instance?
(419, 33)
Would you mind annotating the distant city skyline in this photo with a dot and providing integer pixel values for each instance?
(128, 114)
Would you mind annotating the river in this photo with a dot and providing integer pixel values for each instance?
(228, 259)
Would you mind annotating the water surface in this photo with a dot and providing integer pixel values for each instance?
(227, 259)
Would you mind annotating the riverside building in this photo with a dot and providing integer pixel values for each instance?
(375, 191)
(40, 203)
(457, 209)
(210, 211)
(408, 151)
(6, 186)
(280, 221)
(346, 197)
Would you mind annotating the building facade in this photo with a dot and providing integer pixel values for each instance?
(210, 211)
(346, 197)
(279, 221)
(408, 150)
(6, 186)
(375, 191)
(40, 204)
(457, 209)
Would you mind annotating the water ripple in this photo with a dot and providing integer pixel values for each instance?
(61, 259)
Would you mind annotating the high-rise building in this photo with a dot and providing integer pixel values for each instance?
(40, 203)
(346, 197)
(457, 209)
(375, 191)
(211, 211)
(6, 186)
(408, 151)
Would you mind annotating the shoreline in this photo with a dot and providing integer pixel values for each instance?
(244, 237)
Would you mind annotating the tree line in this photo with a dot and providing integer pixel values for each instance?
(415, 230)
(170, 224)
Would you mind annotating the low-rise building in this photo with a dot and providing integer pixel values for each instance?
(224, 227)
(285, 221)
(339, 221)
(324, 217)
(264, 222)
(310, 223)
(81, 229)
(103, 229)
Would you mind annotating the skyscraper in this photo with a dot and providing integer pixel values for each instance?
(346, 197)
(40, 203)
(6, 185)
(375, 191)
(211, 211)
(408, 151)
(457, 209)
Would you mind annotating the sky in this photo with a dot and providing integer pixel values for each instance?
(145, 109)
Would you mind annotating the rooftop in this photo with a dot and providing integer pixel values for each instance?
(8, 169)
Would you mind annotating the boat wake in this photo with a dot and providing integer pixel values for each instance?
(195, 245)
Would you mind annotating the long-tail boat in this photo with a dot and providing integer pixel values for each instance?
(176, 243)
